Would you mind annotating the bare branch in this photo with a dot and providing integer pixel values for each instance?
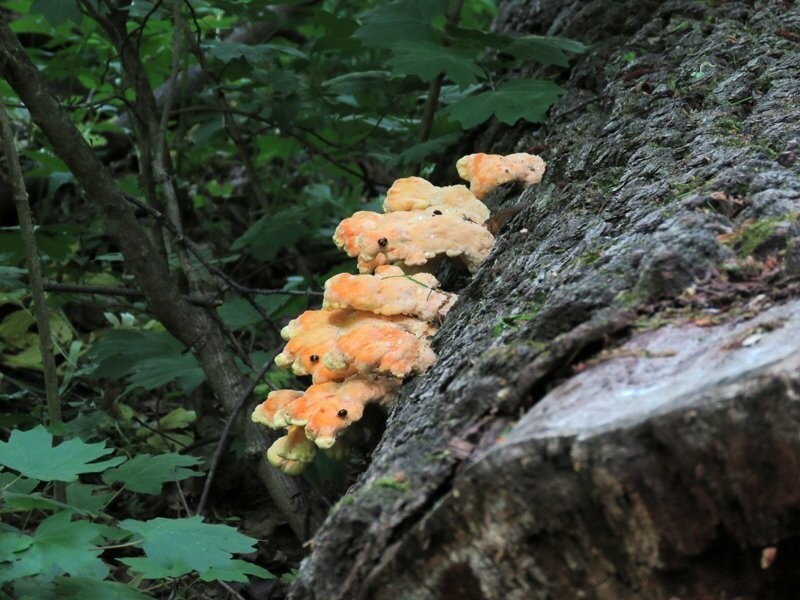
(226, 431)
(125, 292)
(190, 324)
(435, 88)
(35, 276)
(198, 254)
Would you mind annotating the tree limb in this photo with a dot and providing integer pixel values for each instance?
(190, 324)
(35, 275)
(126, 292)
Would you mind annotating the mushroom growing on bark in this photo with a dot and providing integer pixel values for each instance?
(415, 193)
(347, 232)
(381, 350)
(292, 452)
(389, 292)
(270, 412)
(319, 415)
(374, 330)
(317, 335)
(485, 172)
(415, 237)
(326, 410)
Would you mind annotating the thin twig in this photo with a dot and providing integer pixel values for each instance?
(189, 513)
(195, 250)
(35, 275)
(182, 496)
(435, 88)
(575, 108)
(223, 438)
(161, 151)
(300, 138)
(161, 433)
(337, 163)
(198, 444)
(110, 290)
(94, 104)
(231, 591)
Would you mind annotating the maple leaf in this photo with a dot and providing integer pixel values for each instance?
(32, 454)
(527, 99)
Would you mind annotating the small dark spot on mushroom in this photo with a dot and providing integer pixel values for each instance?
(342, 413)
(437, 212)
(313, 358)
(382, 242)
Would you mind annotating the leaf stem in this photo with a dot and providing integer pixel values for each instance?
(432, 102)
(115, 546)
(35, 276)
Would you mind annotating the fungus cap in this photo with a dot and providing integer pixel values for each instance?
(389, 292)
(292, 452)
(415, 193)
(415, 239)
(485, 172)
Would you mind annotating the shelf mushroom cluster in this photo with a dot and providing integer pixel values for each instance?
(374, 328)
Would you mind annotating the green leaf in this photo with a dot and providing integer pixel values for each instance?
(14, 483)
(271, 233)
(156, 372)
(14, 328)
(10, 276)
(146, 474)
(49, 240)
(88, 498)
(228, 51)
(426, 60)
(32, 454)
(14, 332)
(239, 313)
(178, 546)
(527, 99)
(418, 152)
(85, 588)
(59, 546)
(11, 543)
(148, 359)
(401, 21)
(274, 146)
(29, 358)
(150, 569)
(358, 82)
(256, 54)
(15, 502)
(543, 49)
(237, 571)
(57, 11)
(180, 418)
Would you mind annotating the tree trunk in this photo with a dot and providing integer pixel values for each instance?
(614, 413)
(192, 325)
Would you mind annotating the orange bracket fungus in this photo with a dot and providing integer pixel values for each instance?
(485, 172)
(374, 329)
(389, 292)
(380, 350)
(317, 335)
(346, 235)
(292, 452)
(415, 237)
(415, 193)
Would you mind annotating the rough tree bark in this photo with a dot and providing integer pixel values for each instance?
(615, 411)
